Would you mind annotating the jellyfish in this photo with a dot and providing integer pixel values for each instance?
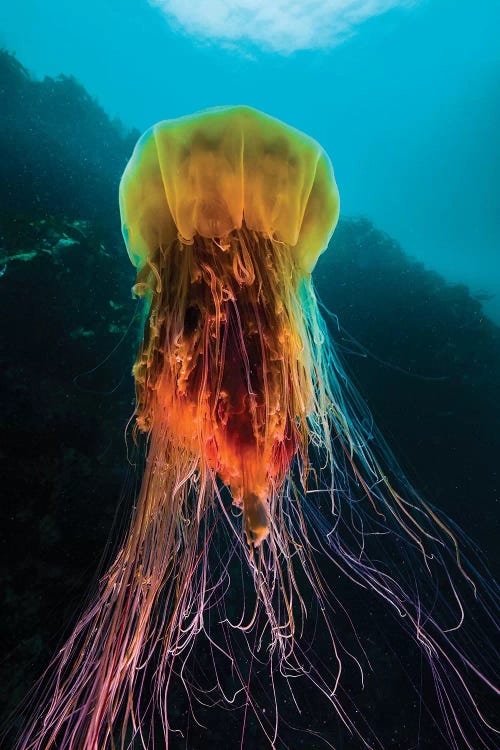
(258, 449)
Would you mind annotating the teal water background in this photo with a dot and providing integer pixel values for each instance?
(408, 108)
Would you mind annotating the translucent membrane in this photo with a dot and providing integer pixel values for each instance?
(208, 173)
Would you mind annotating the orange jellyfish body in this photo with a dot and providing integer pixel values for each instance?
(224, 213)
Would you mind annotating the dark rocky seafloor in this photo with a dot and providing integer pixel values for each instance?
(420, 350)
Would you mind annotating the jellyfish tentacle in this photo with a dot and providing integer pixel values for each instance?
(259, 449)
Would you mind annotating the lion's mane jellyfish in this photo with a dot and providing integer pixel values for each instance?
(225, 215)
(259, 447)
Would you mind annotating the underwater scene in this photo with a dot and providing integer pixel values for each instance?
(249, 377)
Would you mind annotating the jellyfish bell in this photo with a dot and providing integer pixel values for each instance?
(206, 173)
(224, 214)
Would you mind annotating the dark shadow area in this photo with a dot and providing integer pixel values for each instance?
(421, 352)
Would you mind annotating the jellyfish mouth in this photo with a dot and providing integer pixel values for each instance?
(213, 217)
(228, 359)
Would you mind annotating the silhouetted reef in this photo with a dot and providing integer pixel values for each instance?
(61, 153)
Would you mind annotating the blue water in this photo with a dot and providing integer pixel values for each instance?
(406, 101)
(408, 106)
